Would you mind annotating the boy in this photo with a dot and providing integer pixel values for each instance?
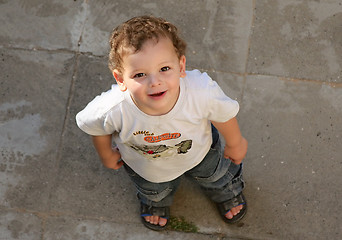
(164, 121)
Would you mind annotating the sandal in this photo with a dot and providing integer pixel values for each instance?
(225, 207)
(146, 211)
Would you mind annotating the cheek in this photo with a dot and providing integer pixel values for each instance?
(136, 88)
(174, 82)
(172, 79)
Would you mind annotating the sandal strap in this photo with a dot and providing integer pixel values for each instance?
(146, 210)
(225, 207)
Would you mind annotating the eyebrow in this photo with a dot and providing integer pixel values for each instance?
(168, 62)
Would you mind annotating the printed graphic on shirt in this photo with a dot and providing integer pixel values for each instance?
(146, 133)
(163, 137)
(157, 151)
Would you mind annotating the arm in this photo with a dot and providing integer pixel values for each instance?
(110, 157)
(236, 145)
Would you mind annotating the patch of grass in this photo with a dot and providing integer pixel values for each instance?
(181, 225)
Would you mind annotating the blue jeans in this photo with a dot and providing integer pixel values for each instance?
(219, 178)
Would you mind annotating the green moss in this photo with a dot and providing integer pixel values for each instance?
(181, 225)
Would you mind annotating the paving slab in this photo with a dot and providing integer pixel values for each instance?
(297, 39)
(293, 169)
(34, 93)
(17, 225)
(41, 24)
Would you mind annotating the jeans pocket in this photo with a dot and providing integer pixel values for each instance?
(226, 173)
(221, 170)
(236, 185)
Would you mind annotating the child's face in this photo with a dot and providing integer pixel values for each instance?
(152, 76)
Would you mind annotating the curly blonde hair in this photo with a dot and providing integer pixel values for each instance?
(132, 34)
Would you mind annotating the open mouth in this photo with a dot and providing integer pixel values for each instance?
(157, 94)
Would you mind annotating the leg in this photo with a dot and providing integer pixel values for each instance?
(155, 199)
(221, 180)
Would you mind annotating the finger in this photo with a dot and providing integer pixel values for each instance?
(236, 161)
(117, 167)
(120, 163)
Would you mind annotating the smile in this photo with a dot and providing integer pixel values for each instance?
(159, 94)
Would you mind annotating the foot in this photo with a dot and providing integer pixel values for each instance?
(234, 211)
(156, 220)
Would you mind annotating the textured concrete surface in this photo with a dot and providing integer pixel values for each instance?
(281, 60)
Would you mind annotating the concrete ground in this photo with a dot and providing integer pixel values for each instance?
(281, 60)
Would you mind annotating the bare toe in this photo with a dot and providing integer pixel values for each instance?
(156, 220)
(148, 219)
(234, 211)
(162, 221)
(229, 215)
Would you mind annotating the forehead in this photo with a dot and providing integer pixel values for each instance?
(152, 51)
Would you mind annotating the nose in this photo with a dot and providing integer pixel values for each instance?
(154, 80)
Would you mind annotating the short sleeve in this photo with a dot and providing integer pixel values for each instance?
(221, 108)
(102, 115)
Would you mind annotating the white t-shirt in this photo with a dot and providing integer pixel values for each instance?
(161, 148)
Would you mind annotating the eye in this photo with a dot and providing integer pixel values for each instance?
(139, 75)
(164, 69)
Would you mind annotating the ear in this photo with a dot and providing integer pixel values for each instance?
(119, 80)
(182, 64)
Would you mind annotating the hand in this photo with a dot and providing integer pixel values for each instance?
(113, 161)
(236, 153)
